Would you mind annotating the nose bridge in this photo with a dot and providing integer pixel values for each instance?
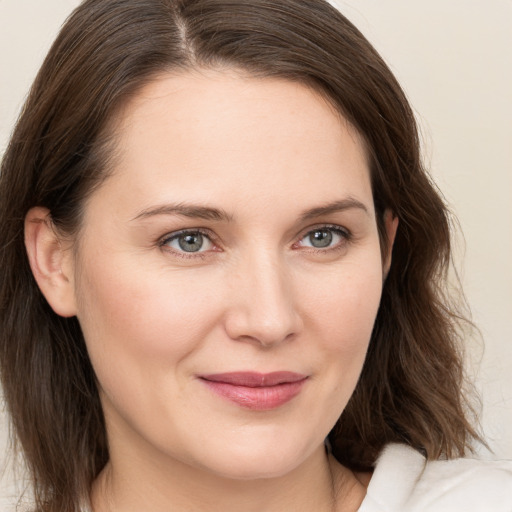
(264, 308)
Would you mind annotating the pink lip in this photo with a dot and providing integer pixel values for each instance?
(257, 391)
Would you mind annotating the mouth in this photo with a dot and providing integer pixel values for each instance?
(256, 391)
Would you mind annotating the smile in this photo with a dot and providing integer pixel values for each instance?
(256, 391)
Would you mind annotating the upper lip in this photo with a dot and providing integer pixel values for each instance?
(255, 379)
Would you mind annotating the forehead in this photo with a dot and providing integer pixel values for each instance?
(213, 135)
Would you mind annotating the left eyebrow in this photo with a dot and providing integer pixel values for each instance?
(336, 206)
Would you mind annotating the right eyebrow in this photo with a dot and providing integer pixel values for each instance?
(185, 210)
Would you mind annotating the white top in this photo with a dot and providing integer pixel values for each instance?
(403, 481)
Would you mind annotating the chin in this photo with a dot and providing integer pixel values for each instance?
(258, 460)
(247, 469)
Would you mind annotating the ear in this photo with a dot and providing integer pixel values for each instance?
(390, 225)
(51, 261)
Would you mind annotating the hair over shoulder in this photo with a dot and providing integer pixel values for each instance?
(410, 387)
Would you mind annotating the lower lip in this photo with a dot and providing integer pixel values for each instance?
(258, 398)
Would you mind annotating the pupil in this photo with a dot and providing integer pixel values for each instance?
(191, 242)
(321, 238)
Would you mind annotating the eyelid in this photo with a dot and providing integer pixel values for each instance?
(340, 230)
(316, 227)
(164, 240)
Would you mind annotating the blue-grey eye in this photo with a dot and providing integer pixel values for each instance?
(189, 241)
(323, 238)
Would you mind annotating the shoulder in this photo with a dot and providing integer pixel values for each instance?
(403, 481)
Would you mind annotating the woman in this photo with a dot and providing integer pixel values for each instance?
(223, 272)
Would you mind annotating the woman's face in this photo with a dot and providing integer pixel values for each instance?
(236, 238)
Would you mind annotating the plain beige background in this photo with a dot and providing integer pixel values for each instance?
(453, 57)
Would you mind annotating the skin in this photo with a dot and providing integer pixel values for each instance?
(256, 297)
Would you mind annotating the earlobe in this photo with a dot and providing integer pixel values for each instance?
(391, 226)
(51, 262)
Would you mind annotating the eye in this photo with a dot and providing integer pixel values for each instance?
(324, 238)
(188, 242)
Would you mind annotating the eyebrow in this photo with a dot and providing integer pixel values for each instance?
(217, 214)
(348, 203)
(185, 210)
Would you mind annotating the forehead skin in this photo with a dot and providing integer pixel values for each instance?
(214, 132)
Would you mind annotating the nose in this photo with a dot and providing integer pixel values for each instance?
(263, 306)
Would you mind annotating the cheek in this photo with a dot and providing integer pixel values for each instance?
(341, 318)
(345, 302)
(136, 327)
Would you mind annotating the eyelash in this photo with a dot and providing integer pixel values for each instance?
(338, 230)
(183, 254)
(342, 232)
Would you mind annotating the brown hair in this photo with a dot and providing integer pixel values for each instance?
(410, 386)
